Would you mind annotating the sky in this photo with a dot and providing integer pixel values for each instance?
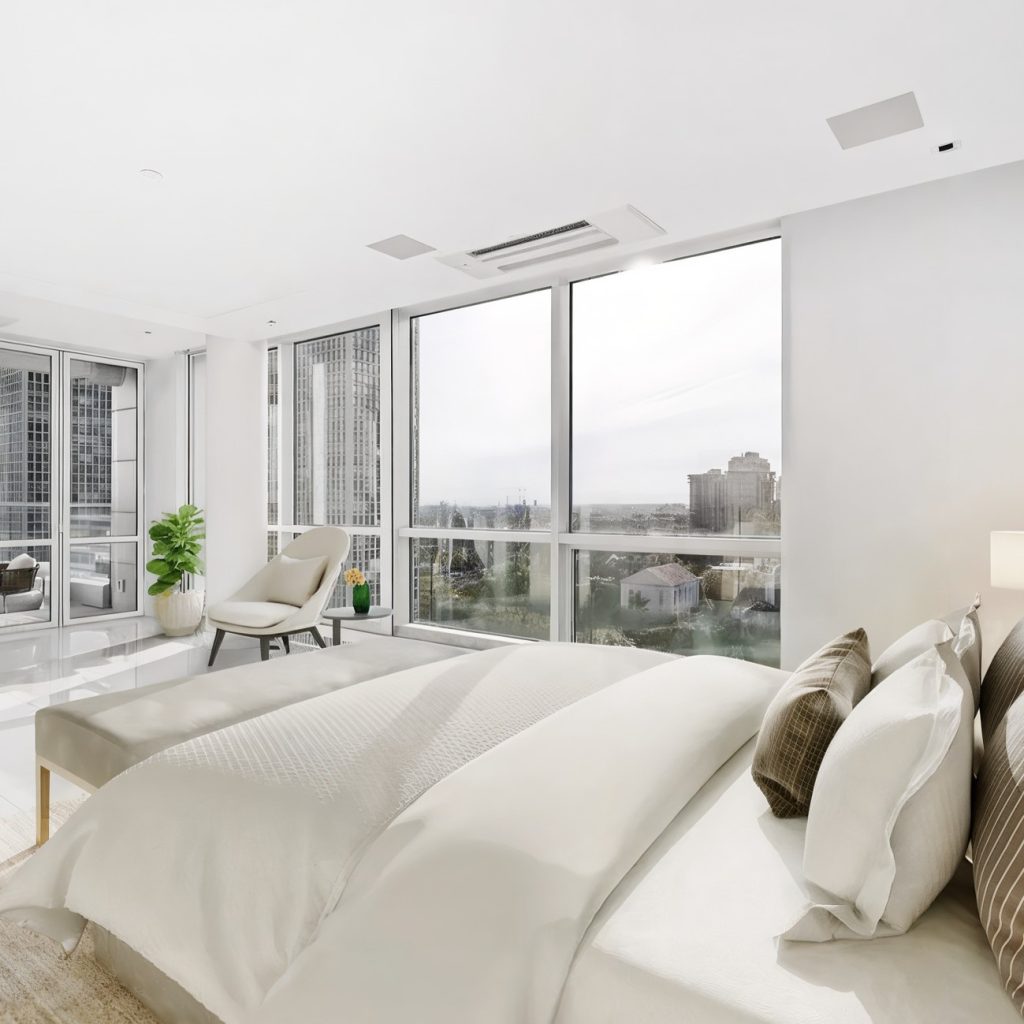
(676, 368)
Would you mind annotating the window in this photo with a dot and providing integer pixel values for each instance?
(481, 466)
(337, 429)
(676, 385)
(485, 586)
(482, 415)
(679, 603)
(660, 524)
(102, 477)
(337, 445)
(676, 431)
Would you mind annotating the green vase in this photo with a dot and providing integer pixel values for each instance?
(361, 598)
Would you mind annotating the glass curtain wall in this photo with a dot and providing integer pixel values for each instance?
(665, 431)
(337, 445)
(481, 463)
(676, 432)
(26, 488)
(102, 432)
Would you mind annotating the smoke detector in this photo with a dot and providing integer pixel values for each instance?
(613, 227)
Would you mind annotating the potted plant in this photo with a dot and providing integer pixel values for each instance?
(360, 590)
(176, 545)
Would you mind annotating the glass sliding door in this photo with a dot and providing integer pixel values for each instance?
(102, 487)
(27, 512)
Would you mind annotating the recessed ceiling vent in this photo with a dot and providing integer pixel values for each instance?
(614, 227)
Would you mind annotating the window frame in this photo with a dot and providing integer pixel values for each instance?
(563, 542)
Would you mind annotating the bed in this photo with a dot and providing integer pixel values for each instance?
(689, 935)
(537, 833)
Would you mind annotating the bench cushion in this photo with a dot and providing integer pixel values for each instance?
(255, 614)
(96, 738)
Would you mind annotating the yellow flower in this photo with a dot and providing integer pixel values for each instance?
(354, 577)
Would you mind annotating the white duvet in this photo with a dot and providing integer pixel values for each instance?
(429, 846)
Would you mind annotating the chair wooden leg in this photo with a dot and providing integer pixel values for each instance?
(287, 645)
(265, 648)
(42, 804)
(317, 637)
(217, 641)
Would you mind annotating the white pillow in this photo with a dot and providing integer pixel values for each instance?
(22, 561)
(294, 580)
(891, 809)
(916, 641)
(962, 625)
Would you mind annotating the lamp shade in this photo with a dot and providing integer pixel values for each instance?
(1008, 559)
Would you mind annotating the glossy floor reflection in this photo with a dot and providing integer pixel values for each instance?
(52, 666)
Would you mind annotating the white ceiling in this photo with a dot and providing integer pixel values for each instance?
(291, 134)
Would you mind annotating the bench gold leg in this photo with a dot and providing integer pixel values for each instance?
(42, 804)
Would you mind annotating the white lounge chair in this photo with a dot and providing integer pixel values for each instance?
(288, 595)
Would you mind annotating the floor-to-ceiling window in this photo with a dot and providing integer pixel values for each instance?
(481, 467)
(70, 486)
(599, 460)
(676, 439)
(27, 493)
(102, 435)
(328, 417)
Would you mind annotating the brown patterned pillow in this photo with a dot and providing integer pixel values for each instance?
(1004, 681)
(998, 850)
(802, 719)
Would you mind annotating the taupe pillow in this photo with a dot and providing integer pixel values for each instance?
(1004, 681)
(802, 719)
(998, 851)
(293, 580)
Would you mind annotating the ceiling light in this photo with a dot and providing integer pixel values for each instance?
(401, 247)
(877, 121)
(148, 172)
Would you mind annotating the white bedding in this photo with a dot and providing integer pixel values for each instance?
(688, 937)
(218, 859)
(470, 907)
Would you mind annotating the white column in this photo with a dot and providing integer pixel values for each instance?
(236, 464)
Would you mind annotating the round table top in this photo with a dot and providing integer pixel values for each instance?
(376, 612)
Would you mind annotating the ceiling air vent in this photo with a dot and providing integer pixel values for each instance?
(614, 227)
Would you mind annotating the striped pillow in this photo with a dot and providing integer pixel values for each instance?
(999, 848)
(1004, 681)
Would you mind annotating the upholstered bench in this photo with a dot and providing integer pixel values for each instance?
(90, 741)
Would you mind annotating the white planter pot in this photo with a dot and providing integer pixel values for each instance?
(180, 613)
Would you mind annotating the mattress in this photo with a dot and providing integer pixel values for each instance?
(689, 936)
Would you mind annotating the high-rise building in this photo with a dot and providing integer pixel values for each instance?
(24, 453)
(91, 437)
(337, 438)
(740, 500)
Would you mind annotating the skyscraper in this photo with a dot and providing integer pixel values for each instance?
(24, 453)
(740, 500)
(337, 438)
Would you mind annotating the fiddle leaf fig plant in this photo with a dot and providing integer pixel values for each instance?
(176, 546)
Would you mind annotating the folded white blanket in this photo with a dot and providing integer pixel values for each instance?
(470, 907)
(218, 859)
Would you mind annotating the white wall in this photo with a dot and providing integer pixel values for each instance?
(166, 440)
(236, 464)
(903, 412)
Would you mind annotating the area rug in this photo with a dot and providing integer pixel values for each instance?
(39, 984)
